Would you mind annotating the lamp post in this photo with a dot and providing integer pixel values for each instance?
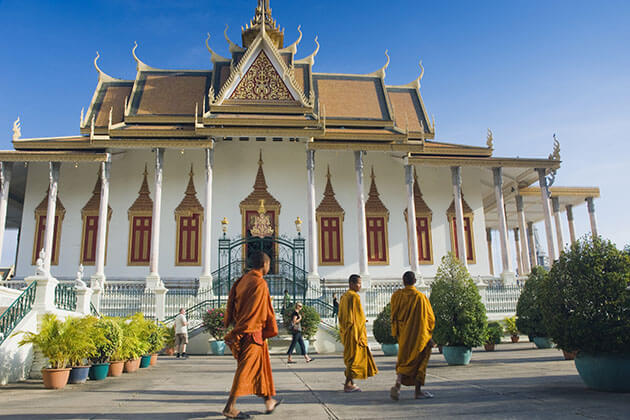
(224, 226)
(298, 226)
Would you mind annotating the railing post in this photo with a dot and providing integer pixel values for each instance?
(160, 303)
(84, 296)
(44, 292)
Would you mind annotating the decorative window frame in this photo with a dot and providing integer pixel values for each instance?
(91, 209)
(42, 210)
(329, 207)
(142, 207)
(470, 236)
(422, 211)
(375, 209)
(188, 208)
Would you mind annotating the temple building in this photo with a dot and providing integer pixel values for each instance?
(167, 166)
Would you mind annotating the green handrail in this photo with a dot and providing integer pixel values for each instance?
(66, 297)
(17, 311)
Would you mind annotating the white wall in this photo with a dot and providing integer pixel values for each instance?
(234, 173)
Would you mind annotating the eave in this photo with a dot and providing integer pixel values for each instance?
(261, 122)
(51, 156)
(261, 109)
(365, 146)
(237, 131)
(487, 162)
(356, 135)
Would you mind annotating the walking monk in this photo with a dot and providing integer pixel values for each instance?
(412, 323)
(250, 310)
(356, 353)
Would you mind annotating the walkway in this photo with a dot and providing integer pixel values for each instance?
(514, 382)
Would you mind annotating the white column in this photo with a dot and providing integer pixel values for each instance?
(361, 220)
(412, 231)
(456, 175)
(313, 256)
(153, 280)
(571, 224)
(101, 242)
(555, 203)
(490, 256)
(205, 280)
(508, 273)
(533, 258)
(519, 256)
(591, 213)
(53, 178)
(544, 193)
(6, 169)
(520, 214)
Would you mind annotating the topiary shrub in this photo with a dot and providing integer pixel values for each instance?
(382, 327)
(584, 301)
(494, 333)
(460, 316)
(310, 320)
(529, 319)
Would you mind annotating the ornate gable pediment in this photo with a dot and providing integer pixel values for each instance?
(262, 83)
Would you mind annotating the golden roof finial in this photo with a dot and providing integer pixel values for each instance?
(490, 140)
(191, 174)
(17, 129)
(260, 159)
(328, 172)
(555, 155)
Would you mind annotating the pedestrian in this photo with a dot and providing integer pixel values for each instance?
(335, 307)
(250, 310)
(296, 332)
(413, 322)
(286, 302)
(356, 353)
(181, 334)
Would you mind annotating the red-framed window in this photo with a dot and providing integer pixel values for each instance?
(90, 234)
(40, 238)
(330, 240)
(423, 230)
(377, 239)
(140, 243)
(189, 239)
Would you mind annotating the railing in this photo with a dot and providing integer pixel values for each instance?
(194, 314)
(17, 311)
(14, 284)
(66, 297)
(94, 311)
(502, 298)
(125, 299)
(377, 297)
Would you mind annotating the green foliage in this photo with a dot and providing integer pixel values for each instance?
(310, 320)
(107, 337)
(169, 335)
(510, 326)
(81, 342)
(529, 319)
(494, 332)
(54, 340)
(382, 327)
(460, 314)
(155, 337)
(584, 300)
(132, 345)
(214, 323)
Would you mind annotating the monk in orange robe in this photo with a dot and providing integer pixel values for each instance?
(356, 353)
(413, 322)
(250, 310)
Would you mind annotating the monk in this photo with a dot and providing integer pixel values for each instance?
(356, 353)
(412, 324)
(250, 310)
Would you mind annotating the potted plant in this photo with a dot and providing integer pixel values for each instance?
(80, 348)
(585, 303)
(156, 340)
(310, 324)
(106, 334)
(132, 347)
(529, 318)
(511, 328)
(169, 340)
(214, 324)
(494, 332)
(382, 329)
(149, 334)
(460, 317)
(52, 340)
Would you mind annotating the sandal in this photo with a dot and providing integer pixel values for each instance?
(239, 416)
(278, 402)
(354, 388)
(394, 393)
(424, 395)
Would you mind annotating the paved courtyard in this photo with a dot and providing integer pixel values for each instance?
(514, 382)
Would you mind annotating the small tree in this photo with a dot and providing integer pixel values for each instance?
(382, 327)
(529, 319)
(53, 340)
(310, 320)
(81, 340)
(460, 316)
(107, 336)
(494, 333)
(214, 323)
(584, 300)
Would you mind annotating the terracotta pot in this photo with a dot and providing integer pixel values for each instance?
(515, 338)
(489, 346)
(56, 378)
(154, 358)
(132, 365)
(569, 355)
(116, 368)
(169, 351)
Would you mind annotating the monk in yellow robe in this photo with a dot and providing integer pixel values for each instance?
(413, 322)
(250, 311)
(356, 353)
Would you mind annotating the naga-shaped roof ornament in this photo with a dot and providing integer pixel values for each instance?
(214, 57)
(17, 129)
(490, 140)
(140, 65)
(555, 155)
(233, 47)
(311, 58)
(381, 72)
(102, 76)
(293, 47)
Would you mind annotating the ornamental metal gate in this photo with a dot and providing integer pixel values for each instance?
(288, 266)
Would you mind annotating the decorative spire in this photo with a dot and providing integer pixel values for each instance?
(17, 129)
(421, 206)
(190, 203)
(490, 140)
(329, 203)
(261, 183)
(143, 203)
(94, 202)
(260, 190)
(374, 203)
(265, 23)
(555, 155)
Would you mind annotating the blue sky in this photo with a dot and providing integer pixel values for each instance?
(525, 69)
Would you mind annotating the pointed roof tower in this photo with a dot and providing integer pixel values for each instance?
(374, 204)
(329, 203)
(143, 203)
(263, 14)
(260, 190)
(190, 203)
(94, 203)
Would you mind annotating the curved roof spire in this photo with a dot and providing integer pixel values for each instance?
(140, 65)
(311, 58)
(214, 57)
(381, 72)
(293, 47)
(102, 76)
(233, 47)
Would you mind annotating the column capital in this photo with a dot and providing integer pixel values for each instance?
(358, 160)
(456, 175)
(590, 202)
(555, 204)
(53, 171)
(409, 174)
(497, 174)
